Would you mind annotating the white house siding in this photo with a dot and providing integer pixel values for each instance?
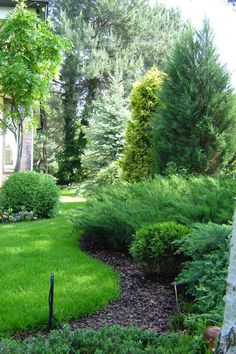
(26, 160)
(1, 160)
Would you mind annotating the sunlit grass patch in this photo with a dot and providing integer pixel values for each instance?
(29, 252)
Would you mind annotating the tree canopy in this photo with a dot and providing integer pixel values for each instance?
(108, 37)
(30, 57)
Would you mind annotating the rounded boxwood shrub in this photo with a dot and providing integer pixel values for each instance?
(153, 248)
(30, 191)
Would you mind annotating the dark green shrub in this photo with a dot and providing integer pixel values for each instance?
(204, 276)
(30, 191)
(115, 213)
(115, 340)
(153, 247)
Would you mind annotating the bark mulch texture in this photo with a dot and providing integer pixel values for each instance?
(145, 303)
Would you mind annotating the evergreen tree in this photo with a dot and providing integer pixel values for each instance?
(105, 133)
(196, 126)
(49, 139)
(126, 34)
(69, 160)
(138, 162)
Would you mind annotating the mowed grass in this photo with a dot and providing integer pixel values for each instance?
(29, 252)
(68, 192)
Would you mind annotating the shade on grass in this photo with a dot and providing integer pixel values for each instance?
(29, 251)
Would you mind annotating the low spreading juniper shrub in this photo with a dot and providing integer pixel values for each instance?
(115, 340)
(115, 213)
(204, 275)
(30, 191)
(153, 248)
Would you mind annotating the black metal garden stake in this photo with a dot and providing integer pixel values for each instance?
(50, 301)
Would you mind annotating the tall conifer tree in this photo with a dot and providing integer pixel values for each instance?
(196, 126)
(138, 162)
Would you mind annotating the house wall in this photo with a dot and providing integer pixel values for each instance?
(26, 160)
(27, 153)
(1, 152)
(1, 160)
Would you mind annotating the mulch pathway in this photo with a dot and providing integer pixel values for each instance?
(145, 303)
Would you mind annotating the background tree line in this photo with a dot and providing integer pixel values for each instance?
(179, 118)
(113, 45)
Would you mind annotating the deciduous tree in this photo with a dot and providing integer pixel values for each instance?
(30, 56)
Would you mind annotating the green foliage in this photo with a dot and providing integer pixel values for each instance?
(69, 158)
(49, 138)
(106, 130)
(30, 56)
(196, 125)
(106, 176)
(30, 191)
(109, 175)
(115, 340)
(204, 276)
(114, 214)
(138, 163)
(153, 247)
(109, 37)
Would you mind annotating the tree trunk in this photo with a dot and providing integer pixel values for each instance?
(228, 333)
(19, 142)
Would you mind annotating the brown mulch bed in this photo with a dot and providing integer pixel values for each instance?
(145, 303)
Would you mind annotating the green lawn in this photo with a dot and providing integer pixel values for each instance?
(68, 192)
(29, 251)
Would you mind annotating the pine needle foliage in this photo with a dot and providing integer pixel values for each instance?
(196, 125)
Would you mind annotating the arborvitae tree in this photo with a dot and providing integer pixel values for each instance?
(196, 126)
(138, 162)
(105, 133)
(130, 35)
